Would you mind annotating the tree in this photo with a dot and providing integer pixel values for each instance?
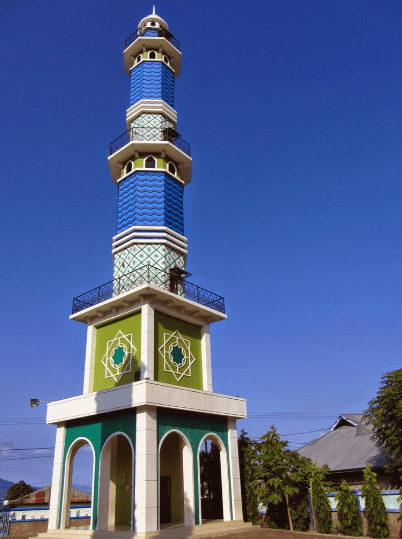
(384, 413)
(17, 490)
(376, 513)
(210, 482)
(320, 501)
(251, 486)
(349, 516)
(283, 475)
(242, 443)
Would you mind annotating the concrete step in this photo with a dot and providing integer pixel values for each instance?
(175, 532)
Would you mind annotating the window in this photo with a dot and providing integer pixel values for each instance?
(23, 516)
(138, 59)
(129, 167)
(172, 168)
(152, 55)
(166, 59)
(150, 162)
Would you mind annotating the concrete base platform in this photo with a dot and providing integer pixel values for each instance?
(177, 532)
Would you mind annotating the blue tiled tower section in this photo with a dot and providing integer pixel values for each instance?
(150, 199)
(152, 80)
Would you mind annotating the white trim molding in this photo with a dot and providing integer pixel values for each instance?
(149, 234)
(152, 106)
(145, 393)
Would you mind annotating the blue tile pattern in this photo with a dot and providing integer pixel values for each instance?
(150, 199)
(152, 80)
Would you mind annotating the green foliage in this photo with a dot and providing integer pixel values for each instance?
(376, 513)
(320, 501)
(251, 487)
(243, 442)
(349, 516)
(17, 490)
(210, 482)
(284, 475)
(384, 413)
(299, 509)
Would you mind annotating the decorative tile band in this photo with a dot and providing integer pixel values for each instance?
(136, 256)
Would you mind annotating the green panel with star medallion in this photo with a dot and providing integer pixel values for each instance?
(177, 352)
(117, 352)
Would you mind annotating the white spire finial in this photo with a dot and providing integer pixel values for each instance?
(153, 13)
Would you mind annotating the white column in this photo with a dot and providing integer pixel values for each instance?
(146, 470)
(55, 496)
(89, 360)
(147, 342)
(234, 470)
(188, 484)
(206, 358)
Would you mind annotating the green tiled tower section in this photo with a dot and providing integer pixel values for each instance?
(136, 256)
(177, 352)
(117, 352)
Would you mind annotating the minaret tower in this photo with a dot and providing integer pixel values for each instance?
(147, 405)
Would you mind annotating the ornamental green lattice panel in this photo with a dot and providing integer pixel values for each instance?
(177, 352)
(139, 255)
(117, 352)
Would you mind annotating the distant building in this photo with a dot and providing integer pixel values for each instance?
(347, 449)
(35, 506)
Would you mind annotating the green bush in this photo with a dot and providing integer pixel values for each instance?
(320, 502)
(349, 516)
(376, 513)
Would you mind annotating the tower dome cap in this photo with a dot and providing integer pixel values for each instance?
(153, 18)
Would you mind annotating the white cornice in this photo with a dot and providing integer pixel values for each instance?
(153, 228)
(159, 298)
(143, 393)
(155, 106)
(147, 241)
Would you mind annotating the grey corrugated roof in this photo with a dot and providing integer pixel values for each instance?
(346, 447)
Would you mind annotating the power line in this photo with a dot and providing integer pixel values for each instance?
(27, 458)
(26, 449)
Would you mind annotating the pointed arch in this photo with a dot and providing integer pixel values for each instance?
(106, 493)
(187, 480)
(225, 478)
(68, 475)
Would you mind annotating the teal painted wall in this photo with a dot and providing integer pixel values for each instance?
(194, 427)
(97, 430)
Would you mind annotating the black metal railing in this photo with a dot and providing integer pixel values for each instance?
(148, 134)
(149, 275)
(152, 32)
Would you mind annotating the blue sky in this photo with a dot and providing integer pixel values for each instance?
(293, 112)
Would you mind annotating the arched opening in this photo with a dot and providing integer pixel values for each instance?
(176, 481)
(172, 168)
(166, 59)
(115, 504)
(129, 167)
(78, 479)
(150, 162)
(152, 55)
(138, 59)
(214, 480)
